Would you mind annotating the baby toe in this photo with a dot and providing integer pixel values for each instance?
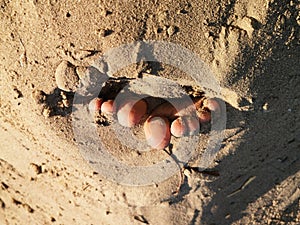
(95, 105)
(131, 112)
(157, 132)
(108, 107)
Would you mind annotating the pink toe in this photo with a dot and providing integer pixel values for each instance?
(178, 127)
(130, 113)
(108, 107)
(212, 104)
(157, 132)
(95, 105)
(204, 116)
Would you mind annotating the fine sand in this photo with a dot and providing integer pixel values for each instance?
(251, 47)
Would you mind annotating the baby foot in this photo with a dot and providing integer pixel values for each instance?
(165, 120)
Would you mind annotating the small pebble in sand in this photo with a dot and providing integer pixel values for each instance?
(108, 107)
(171, 30)
(47, 111)
(39, 96)
(157, 132)
(266, 107)
(95, 105)
(66, 76)
(131, 112)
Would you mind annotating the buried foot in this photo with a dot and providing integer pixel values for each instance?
(164, 120)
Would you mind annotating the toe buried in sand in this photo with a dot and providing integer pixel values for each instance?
(204, 116)
(212, 105)
(185, 126)
(131, 112)
(179, 127)
(108, 107)
(157, 132)
(95, 105)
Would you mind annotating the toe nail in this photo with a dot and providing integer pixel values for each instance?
(157, 132)
(130, 113)
(108, 107)
(95, 105)
(178, 127)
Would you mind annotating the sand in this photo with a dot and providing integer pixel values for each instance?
(251, 47)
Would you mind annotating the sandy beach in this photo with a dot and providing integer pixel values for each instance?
(56, 56)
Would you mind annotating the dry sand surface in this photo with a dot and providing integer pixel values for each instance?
(251, 46)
